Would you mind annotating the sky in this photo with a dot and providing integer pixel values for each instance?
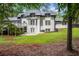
(49, 6)
(53, 6)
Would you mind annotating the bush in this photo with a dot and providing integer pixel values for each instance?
(1, 28)
(13, 30)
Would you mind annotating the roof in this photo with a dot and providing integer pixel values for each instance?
(13, 19)
(27, 13)
(37, 12)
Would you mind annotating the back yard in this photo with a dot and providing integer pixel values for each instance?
(45, 38)
(53, 43)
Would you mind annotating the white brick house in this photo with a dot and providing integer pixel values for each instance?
(35, 21)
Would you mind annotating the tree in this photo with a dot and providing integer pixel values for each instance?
(71, 11)
(12, 9)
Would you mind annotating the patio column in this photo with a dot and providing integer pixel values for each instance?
(38, 25)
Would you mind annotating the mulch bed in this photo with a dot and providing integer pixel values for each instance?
(52, 49)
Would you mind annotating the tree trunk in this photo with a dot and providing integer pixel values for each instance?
(69, 35)
(69, 31)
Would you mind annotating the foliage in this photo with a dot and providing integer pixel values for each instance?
(12, 9)
(14, 30)
(72, 10)
(11, 29)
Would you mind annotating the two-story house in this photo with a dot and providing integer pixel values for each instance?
(35, 21)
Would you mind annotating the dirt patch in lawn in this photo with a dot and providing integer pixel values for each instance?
(53, 49)
(8, 37)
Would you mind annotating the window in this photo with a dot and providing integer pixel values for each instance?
(32, 14)
(36, 21)
(22, 15)
(47, 14)
(32, 22)
(42, 30)
(47, 22)
(32, 30)
(47, 30)
(25, 29)
(24, 22)
(41, 22)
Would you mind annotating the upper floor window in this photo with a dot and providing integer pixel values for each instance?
(47, 22)
(22, 15)
(47, 14)
(32, 22)
(32, 14)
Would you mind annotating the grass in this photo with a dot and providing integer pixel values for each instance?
(44, 38)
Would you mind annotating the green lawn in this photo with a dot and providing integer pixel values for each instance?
(44, 38)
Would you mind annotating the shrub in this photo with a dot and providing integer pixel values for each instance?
(13, 30)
